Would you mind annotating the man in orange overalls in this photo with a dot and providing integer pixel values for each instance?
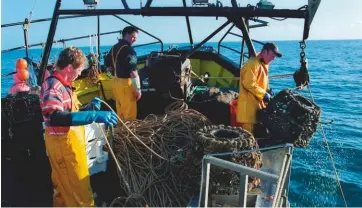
(254, 86)
(64, 131)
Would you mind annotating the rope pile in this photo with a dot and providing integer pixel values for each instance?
(146, 178)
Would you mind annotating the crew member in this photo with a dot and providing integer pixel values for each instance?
(254, 86)
(64, 130)
(122, 59)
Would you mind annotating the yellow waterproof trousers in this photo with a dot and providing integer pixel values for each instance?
(124, 94)
(70, 175)
(68, 159)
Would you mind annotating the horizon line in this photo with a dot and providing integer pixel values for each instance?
(38, 47)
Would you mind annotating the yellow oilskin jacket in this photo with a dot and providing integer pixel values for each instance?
(253, 86)
(68, 159)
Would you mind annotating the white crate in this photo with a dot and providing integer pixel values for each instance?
(95, 139)
(92, 131)
(98, 164)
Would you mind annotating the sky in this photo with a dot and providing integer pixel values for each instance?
(334, 20)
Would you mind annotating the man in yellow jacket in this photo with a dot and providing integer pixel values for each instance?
(254, 86)
(126, 82)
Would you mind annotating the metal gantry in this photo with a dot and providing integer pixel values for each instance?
(239, 16)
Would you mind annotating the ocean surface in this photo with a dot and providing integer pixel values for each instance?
(336, 83)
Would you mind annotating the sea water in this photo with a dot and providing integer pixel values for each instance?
(336, 84)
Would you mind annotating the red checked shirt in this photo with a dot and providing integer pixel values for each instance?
(55, 95)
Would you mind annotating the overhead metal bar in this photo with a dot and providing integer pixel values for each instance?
(40, 20)
(240, 23)
(125, 5)
(186, 55)
(256, 41)
(236, 51)
(227, 32)
(193, 11)
(233, 3)
(148, 3)
(258, 20)
(48, 45)
(61, 41)
(188, 26)
(257, 25)
(120, 18)
(26, 36)
(242, 53)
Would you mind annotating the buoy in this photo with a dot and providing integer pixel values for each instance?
(21, 64)
(22, 74)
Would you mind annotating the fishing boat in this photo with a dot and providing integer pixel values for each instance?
(194, 69)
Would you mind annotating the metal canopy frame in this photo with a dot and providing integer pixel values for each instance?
(236, 15)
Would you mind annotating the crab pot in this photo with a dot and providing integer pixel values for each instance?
(225, 139)
(291, 118)
(25, 165)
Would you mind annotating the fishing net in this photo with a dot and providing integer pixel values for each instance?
(148, 179)
(225, 139)
(291, 118)
(20, 107)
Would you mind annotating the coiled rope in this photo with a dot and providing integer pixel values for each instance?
(162, 180)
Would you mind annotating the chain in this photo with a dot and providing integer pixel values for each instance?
(302, 47)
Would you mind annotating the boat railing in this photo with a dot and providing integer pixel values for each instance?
(242, 54)
(279, 174)
(27, 23)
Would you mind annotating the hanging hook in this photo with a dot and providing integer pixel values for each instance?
(301, 76)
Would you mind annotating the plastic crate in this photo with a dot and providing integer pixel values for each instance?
(93, 132)
(98, 164)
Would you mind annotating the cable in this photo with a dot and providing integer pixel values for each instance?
(31, 12)
(329, 153)
(132, 132)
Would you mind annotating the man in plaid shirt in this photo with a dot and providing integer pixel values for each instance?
(64, 130)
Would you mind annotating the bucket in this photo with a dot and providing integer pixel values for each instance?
(233, 111)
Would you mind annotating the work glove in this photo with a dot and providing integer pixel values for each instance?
(138, 94)
(87, 117)
(95, 104)
(267, 97)
(271, 92)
